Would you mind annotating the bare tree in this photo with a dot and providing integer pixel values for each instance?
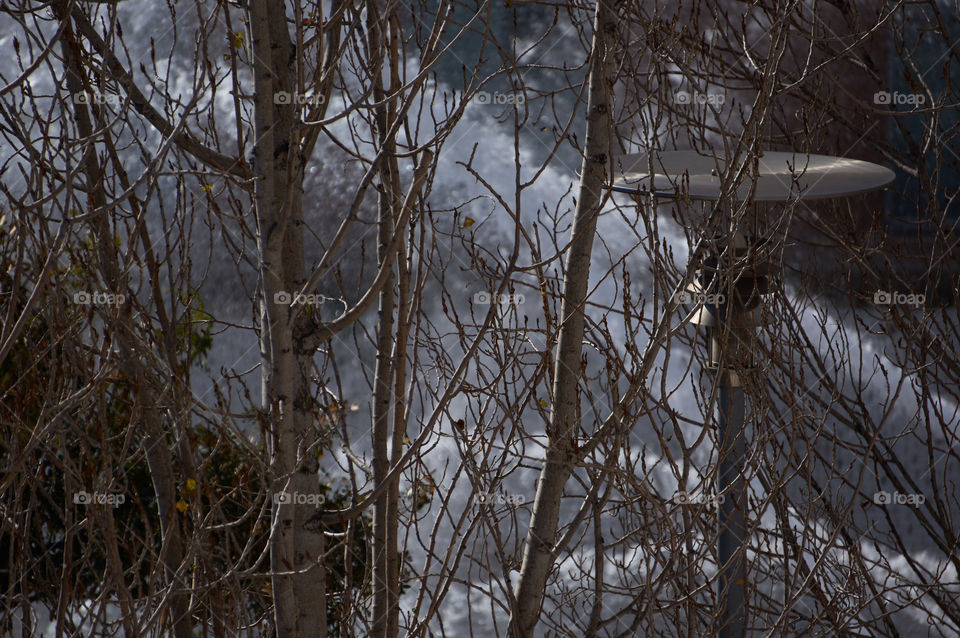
(564, 416)
(478, 403)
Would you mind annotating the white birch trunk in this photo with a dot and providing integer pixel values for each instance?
(538, 547)
(296, 547)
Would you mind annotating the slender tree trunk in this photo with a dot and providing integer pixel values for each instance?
(296, 547)
(538, 547)
(159, 458)
(399, 433)
(382, 38)
(382, 578)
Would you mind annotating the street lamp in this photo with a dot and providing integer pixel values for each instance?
(729, 318)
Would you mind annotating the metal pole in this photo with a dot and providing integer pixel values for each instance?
(731, 520)
(729, 344)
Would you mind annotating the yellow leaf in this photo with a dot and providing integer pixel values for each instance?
(542, 403)
(468, 222)
(238, 40)
(406, 440)
(207, 187)
(191, 484)
(182, 505)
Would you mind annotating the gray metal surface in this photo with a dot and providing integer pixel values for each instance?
(779, 176)
(731, 548)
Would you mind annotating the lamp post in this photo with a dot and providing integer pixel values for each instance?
(729, 317)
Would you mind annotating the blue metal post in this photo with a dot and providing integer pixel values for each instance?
(731, 488)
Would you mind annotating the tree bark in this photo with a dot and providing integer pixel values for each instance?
(159, 458)
(296, 545)
(382, 38)
(538, 546)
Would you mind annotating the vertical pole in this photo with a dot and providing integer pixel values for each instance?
(731, 487)
(730, 356)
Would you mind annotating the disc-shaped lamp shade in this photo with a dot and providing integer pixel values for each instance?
(782, 176)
